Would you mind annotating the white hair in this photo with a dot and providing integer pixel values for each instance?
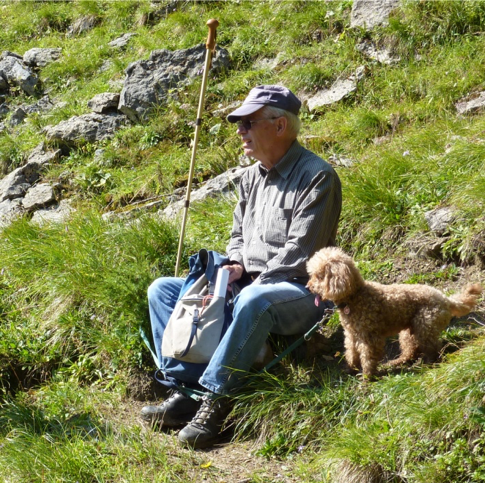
(294, 122)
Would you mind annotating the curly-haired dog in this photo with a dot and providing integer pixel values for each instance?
(370, 312)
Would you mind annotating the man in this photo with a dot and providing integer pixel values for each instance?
(289, 206)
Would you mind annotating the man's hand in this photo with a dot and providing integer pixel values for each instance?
(235, 272)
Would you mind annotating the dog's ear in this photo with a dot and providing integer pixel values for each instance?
(338, 280)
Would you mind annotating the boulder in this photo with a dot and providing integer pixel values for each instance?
(16, 183)
(57, 213)
(27, 174)
(383, 56)
(147, 82)
(38, 57)
(86, 128)
(339, 90)
(82, 24)
(440, 219)
(44, 104)
(121, 42)
(105, 102)
(4, 110)
(3, 83)
(9, 210)
(224, 183)
(470, 106)
(14, 71)
(38, 196)
(17, 117)
(371, 13)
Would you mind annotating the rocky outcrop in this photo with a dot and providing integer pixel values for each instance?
(38, 57)
(121, 42)
(38, 196)
(382, 55)
(105, 102)
(82, 24)
(14, 72)
(471, 104)
(57, 213)
(440, 219)
(86, 128)
(338, 91)
(224, 183)
(147, 82)
(15, 186)
(371, 13)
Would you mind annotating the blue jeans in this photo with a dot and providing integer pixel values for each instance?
(284, 308)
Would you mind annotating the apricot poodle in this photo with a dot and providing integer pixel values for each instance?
(370, 312)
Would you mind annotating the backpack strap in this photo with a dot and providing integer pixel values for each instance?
(195, 323)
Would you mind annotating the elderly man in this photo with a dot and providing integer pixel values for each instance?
(289, 207)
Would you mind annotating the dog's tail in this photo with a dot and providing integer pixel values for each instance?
(463, 303)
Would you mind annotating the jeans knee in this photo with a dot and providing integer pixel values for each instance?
(156, 288)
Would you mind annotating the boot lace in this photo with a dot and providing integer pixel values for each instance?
(205, 411)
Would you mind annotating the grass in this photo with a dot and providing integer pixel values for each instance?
(73, 296)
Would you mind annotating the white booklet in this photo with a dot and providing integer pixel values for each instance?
(221, 283)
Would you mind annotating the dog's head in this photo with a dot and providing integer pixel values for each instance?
(333, 274)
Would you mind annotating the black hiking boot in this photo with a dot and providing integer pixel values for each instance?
(177, 410)
(204, 429)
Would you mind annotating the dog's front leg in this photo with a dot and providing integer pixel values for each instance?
(352, 355)
(371, 352)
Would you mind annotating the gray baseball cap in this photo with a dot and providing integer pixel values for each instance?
(260, 96)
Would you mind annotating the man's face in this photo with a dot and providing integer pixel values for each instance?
(259, 139)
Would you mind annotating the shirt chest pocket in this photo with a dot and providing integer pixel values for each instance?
(277, 225)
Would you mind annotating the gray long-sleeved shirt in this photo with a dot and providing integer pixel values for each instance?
(285, 215)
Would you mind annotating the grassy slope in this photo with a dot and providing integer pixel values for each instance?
(73, 297)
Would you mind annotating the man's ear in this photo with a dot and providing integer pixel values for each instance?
(281, 125)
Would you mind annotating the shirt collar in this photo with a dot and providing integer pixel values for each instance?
(287, 162)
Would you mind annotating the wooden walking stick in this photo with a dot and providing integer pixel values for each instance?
(210, 46)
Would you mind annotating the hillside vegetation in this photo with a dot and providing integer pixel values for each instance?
(74, 371)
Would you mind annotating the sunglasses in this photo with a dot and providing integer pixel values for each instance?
(247, 124)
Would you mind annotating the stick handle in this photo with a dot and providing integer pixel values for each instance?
(211, 38)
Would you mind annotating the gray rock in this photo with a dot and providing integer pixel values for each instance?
(339, 90)
(88, 127)
(4, 110)
(147, 81)
(42, 157)
(82, 24)
(38, 57)
(439, 220)
(16, 73)
(7, 53)
(383, 56)
(17, 117)
(29, 173)
(341, 161)
(9, 210)
(3, 83)
(44, 104)
(58, 213)
(105, 102)
(222, 184)
(470, 106)
(371, 13)
(38, 196)
(16, 191)
(15, 184)
(121, 42)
